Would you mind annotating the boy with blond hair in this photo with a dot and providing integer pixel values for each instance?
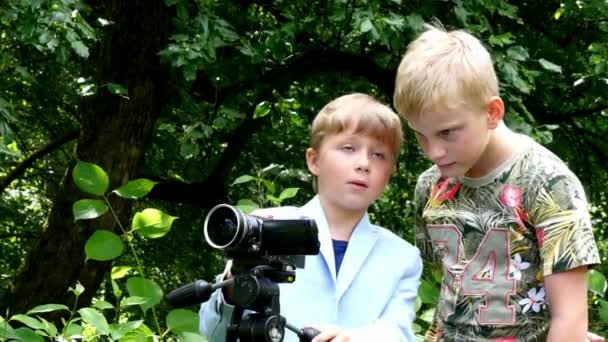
(504, 217)
(356, 288)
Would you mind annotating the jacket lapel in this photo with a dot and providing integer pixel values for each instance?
(359, 247)
(314, 210)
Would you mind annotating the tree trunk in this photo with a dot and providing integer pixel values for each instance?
(115, 134)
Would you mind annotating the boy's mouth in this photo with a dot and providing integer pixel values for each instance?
(360, 184)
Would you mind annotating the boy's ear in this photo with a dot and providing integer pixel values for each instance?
(496, 111)
(311, 160)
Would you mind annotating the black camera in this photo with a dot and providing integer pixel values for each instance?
(264, 252)
(249, 237)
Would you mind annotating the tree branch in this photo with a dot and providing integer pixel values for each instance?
(29, 161)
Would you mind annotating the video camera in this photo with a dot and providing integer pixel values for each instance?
(264, 252)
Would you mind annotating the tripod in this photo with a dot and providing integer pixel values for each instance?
(257, 290)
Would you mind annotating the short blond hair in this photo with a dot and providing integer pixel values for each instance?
(444, 69)
(360, 113)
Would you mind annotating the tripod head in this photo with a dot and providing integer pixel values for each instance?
(264, 253)
(256, 290)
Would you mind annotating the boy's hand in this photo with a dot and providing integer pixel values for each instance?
(334, 333)
(591, 337)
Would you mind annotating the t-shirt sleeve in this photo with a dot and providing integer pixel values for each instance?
(562, 223)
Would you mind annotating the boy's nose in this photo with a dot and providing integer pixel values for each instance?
(363, 162)
(435, 152)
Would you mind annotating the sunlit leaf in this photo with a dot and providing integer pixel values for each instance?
(288, 193)
(96, 319)
(145, 288)
(103, 305)
(550, 66)
(191, 337)
(120, 271)
(181, 320)
(596, 282)
(87, 209)
(119, 330)
(135, 189)
(243, 179)
(29, 321)
(90, 178)
(152, 223)
(247, 205)
(133, 300)
(48, 308)
(103, 245)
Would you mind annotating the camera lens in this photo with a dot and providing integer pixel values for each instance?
(222, 227)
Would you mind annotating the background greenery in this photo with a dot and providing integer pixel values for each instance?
(195, 94)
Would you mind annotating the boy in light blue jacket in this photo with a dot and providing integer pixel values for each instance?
(363, 283)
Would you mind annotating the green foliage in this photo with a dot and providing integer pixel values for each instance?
(104, 245)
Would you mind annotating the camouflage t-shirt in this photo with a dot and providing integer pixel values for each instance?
(496, 238)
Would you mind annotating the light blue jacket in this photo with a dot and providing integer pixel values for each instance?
(374, 291)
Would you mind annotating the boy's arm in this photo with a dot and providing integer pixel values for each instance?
(215, 314)
(567, 295)
(562, 224)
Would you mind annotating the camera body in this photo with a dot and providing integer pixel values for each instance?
(253, 240)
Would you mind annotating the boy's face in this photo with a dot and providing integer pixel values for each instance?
(352, 169)
(456, 138)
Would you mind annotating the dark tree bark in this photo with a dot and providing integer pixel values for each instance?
(115, 134)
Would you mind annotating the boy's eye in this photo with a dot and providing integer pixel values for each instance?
(348, 148)
(446, 133)
(378, 155)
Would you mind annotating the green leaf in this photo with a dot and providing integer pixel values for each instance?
(247, 205)
(6, 330)
(550, 66)
(517, 53)
(133, 300)
(72, 330)
(103, 245)
(81, 49)
(288, 193)
(96, 319)
(48, 308)
(27, 335)
(417, 304)
(597, 282)
(141, 334)
(243, 179)
(116, 289)
(275, 200)
(87, 209)
(603, 310)
(428, 292)
(29, 321)
(103, 305)
(366, 26)
(559, 13)
(190, 337)
(120, 271)
(90, 178)
(427, 315)
(146, 288)
(117, 89)
(119, 330)
(135, 189)
(152, 223)
(261, 110)
(181, 320)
